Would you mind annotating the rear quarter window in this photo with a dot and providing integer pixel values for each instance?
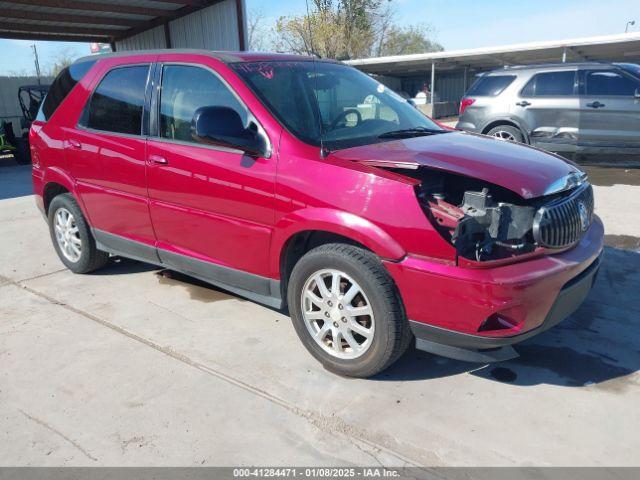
(62, 86)
(490, 86)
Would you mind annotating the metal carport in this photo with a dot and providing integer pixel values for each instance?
(450, 71)
(116, 21)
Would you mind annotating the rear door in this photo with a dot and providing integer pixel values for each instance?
(609, 110)
(549, 107)
(107, 156)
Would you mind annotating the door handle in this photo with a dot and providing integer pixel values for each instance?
(158, 160)
(523, 103)
(75, 144)
(595, 104)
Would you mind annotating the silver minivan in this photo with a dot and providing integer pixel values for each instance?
(567, 107)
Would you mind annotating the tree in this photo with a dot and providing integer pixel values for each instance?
(339, 29)
(320, 33)
(411, 39)
(344, 29)
(61, 61)
(257, 32)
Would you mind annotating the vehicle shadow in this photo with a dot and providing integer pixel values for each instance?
(197, 289)
(125, 266)
(598, 345)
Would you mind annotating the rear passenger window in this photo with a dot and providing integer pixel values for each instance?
(62, 86)
(490, 86)
(550, 84)
(184, 90)
(117, 103)
(610, 82)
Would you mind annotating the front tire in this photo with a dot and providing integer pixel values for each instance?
(72, 238)
(346, 310)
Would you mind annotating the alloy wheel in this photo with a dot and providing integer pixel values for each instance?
(503, 135)
(337, 314)
(67, 234)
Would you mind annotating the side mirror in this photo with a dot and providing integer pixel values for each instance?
(223, 127)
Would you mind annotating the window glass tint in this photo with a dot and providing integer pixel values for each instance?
(490, 86)
(610, 82)
(550, 84)
(330, 102)
(62, 86)
(116, 105)
(186, 89)
(631, 68)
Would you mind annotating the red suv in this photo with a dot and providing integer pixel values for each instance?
(306, 184)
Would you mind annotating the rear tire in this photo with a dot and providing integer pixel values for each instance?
(377, 339)
(507, 133)
(72, 238)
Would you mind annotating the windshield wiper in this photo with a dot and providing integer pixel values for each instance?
(410, 132)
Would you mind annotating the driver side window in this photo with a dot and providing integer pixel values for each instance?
(184, 90)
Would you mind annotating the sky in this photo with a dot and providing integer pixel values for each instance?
(457, 24)
(462, 24)
(17, 57)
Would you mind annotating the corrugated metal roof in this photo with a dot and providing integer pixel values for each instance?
(9, 7)
(89, 20)
(34, 24)
(622, 47)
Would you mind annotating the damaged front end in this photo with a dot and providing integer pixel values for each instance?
(482, 221)
(487, 222)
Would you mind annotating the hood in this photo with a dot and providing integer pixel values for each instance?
(527, 171)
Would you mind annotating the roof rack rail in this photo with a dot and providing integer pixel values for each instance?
(554, 65)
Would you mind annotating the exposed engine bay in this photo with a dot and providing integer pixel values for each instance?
(481, 220)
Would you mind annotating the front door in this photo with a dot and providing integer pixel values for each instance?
(212, 208)
(609, 109)
(107, 153)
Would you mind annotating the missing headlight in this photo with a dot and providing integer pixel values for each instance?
(490, 230)
(481, 220)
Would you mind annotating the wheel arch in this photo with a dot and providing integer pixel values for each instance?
(322, 227)
(52, 190)
(56, 182)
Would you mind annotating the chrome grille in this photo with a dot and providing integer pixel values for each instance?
(562, 222)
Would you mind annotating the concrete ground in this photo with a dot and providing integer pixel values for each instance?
(133, 366)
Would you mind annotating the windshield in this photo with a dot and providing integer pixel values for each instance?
(341, 104)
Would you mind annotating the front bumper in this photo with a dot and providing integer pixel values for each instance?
(449, 305)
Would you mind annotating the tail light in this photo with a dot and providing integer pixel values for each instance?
(464, 103)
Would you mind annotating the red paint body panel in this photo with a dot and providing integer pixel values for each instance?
(226, 208)
(218, 205)
(461, 299)
(110, 174)
(352, 200)
(525, 170)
